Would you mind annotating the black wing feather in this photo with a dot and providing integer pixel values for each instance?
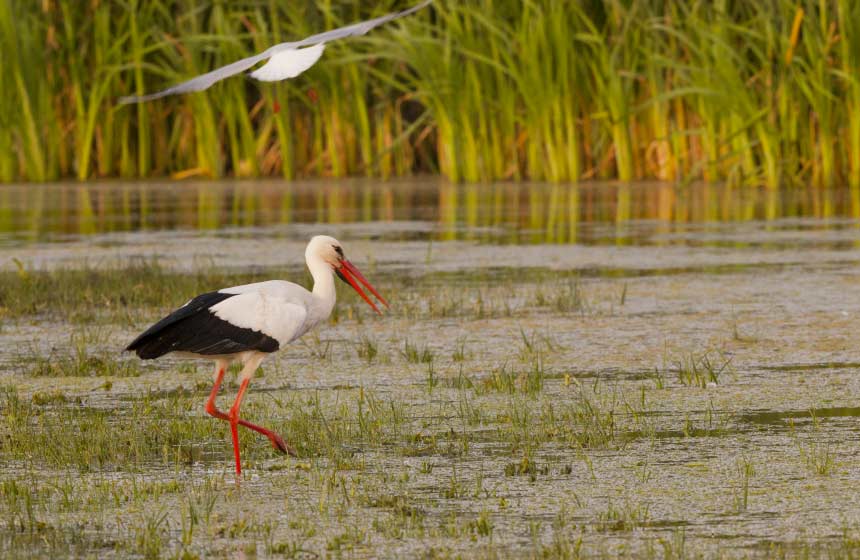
(194, 328)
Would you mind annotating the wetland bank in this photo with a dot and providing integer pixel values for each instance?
(565, 371)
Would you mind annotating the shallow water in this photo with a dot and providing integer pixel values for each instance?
(427, 209)
(566, 371)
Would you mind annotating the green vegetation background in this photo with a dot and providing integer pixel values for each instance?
(749, 92)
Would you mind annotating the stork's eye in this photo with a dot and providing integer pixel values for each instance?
(338, 250)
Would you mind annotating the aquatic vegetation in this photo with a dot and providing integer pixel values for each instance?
(96, 439)
(92, 294)
(367, 349)
(818, 456)
(506, 379)
(626, 517)
(752, 93)
(459, 353)
(318, 348)
(745, 470)
(415, 355)
(81, 361)
(701, 369)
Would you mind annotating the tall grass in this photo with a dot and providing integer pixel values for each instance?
(764, 93)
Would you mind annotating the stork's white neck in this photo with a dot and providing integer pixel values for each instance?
(323, 292)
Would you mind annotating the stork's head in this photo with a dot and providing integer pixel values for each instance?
(329, 250)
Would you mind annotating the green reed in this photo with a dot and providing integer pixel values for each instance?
(752, 93)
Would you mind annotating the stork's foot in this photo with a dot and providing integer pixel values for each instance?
(281, 445)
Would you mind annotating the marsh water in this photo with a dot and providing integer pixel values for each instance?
(565, 371)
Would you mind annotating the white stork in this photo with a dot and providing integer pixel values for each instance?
(247, 323)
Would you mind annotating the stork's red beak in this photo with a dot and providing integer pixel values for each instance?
(349, 274)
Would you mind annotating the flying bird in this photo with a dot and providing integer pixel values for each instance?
(247, 323)
(285, 60)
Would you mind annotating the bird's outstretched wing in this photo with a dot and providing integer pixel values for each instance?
(286, 60)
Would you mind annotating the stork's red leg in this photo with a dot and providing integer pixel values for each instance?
(277, 441)
(210, 407)
(234, 422)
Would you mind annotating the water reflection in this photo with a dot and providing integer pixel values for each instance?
(498, 213)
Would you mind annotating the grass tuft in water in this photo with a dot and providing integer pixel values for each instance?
(415, 355)
(745, 471)
(367, 349)
(80, 361)
(701, 369)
